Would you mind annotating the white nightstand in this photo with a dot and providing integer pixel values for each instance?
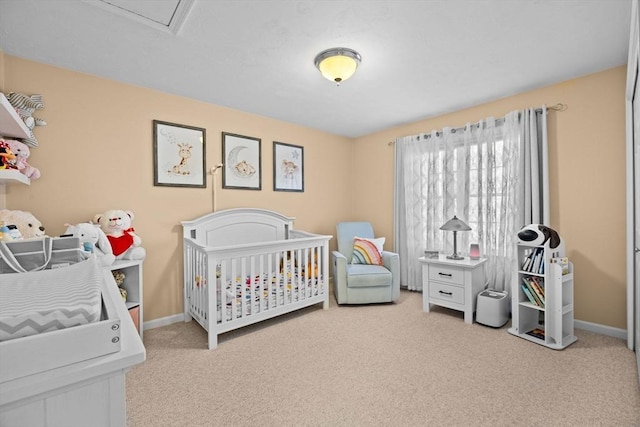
(453, 284)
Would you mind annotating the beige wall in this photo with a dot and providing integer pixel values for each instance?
(587, 179)
(96, 154)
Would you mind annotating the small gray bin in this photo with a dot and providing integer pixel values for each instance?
(492, 308)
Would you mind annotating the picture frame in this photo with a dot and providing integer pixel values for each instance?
(431, 254)
(242, 160)
(179, 155)
(288, 167)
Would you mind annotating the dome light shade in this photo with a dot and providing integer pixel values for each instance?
(337, 64)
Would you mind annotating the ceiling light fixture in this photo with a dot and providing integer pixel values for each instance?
(338, 63)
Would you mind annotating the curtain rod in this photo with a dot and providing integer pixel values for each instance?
(558, 107)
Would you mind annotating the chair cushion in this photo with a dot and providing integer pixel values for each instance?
(363, 275)
(367, 251)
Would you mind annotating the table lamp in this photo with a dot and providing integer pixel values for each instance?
(455, 224)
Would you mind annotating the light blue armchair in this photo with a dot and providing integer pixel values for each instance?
(363, 283)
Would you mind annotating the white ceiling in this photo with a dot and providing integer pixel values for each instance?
(419, 58)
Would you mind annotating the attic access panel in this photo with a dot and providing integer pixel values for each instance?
(166, 15)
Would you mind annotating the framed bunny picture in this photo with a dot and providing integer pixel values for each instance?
(288, 167)
(179, 155)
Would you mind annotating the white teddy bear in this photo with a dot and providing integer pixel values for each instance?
(125, 243)
(28, 225)
(93, 240)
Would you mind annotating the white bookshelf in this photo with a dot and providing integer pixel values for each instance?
(556, 316)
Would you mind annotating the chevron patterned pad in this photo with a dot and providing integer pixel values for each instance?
(44, 301)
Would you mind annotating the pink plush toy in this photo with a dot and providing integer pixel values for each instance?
(22, 152)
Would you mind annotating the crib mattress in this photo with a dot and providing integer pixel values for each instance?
(50, 300)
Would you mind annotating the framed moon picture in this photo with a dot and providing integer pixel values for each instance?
(178, 155)
(288, 167)
(241, 156)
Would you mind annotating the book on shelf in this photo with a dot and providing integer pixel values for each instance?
(527, 265)
(528, 294)
(526, 262)
(537, 260)
(537, 284)
(537, 300)
(537, 332)
(563, 262)
(541, 267)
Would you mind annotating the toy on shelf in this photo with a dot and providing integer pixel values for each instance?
(92, 240)
(538, 234)
(25, 106)
(7, 158)
(22, 153)
(125, 243)
(118, 276)
(27, 224)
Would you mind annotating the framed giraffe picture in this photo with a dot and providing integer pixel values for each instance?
(179, 155)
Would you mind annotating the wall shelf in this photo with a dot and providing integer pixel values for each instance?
(9, 176)
(11, 125)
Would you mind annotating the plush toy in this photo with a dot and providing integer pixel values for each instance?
(538, 234)
(125, 243)
(22, 153)
(25, 105)
(27, 223)
(93, 240)
(8, 159)
(119, 277)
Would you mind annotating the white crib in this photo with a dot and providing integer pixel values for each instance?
(260, 266)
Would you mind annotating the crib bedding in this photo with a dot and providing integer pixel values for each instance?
(264, 292)
(44, 301)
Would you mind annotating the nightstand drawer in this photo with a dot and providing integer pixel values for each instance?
(446, 274)
(446, 292)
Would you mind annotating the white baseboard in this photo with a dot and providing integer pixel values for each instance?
(163, 321)
(601, 329)
(578, 324)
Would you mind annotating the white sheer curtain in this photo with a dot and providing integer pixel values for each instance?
(477, 173)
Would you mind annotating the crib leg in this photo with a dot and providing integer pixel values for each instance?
(213, 340)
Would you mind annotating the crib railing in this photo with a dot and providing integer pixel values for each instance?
(231, 284)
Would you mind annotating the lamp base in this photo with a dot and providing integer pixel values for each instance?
(455, 256)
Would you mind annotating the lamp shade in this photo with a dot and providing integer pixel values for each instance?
(455, 224)
(337, 64)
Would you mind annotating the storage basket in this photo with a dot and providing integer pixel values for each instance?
(38, 254)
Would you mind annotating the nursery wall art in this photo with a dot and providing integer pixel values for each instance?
(242, 162)
(288, 167)
(179, 155)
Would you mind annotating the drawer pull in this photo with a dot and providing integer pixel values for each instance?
(445, 293)
(445, 274)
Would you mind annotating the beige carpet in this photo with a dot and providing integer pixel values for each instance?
(379, 365)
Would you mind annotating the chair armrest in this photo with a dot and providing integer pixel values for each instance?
(391, 261)
(339, 276)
